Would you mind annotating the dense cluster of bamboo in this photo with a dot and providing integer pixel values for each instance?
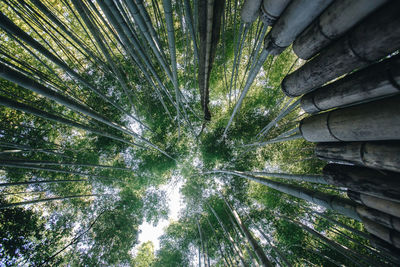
(362, 122)
(355, 119)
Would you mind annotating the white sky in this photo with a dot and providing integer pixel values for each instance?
(147, 232)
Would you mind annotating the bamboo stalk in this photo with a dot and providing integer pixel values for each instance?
(235, 247)
(296, 17)
(373, 38)
(379, 217)
(377, 155)
(358, 123)
(272, 9)
(331, 24)
(339, 204)
(389, 235)
(10, 27)
(256, 247)
(50, 116)
(250, 10)
(376, 81)
(383, 205)
(360, 179)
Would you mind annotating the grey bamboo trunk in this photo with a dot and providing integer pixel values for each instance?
(296, 17)
(250, 10)
(339, 204)
(378, 120)
(384, 185)
(383, 205)
(377, 155)
(312, 178)
(375, 37)
(331, 24)
(379, 217)
(389, 235)
(272, 9)
(376, 81)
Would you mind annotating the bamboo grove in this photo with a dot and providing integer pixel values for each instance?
(108, 105)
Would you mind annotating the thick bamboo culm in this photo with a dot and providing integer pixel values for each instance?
(272, 9)
(378, 120)
(374, 38)
(376, 81)
(330, 25)
(384, 155)
(389, 235)
(383, 205)
(379, 217)
(384, 185)
(250, 10)
(296, 17)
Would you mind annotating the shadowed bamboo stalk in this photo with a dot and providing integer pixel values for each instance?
(339, 204)
(382, 184)
(346, 252)
(188, 20)
(130, 42)
(240, 236)
(85, 13)
(383, 205)
(135, 12)
(371, 83)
